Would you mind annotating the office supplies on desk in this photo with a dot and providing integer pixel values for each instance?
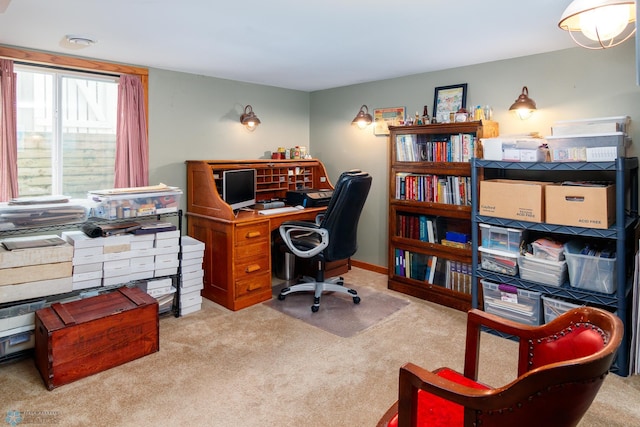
(309, 197)
(284, 209)
(269, 204)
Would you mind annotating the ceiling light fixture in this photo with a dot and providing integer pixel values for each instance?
(524, 106)
(599, 24)
(249, 118)
(363, 118)
(80, 40)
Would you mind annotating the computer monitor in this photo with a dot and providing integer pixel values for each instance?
(239, 188)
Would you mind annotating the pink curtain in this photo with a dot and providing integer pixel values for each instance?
(132, 145)
(8, 132)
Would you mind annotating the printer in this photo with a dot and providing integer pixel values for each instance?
(308, 197)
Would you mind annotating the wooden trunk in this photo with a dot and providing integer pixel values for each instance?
(84, 337)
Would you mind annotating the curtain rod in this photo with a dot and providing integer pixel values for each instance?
(57, 67)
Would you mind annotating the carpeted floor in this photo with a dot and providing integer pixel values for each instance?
(259, 367)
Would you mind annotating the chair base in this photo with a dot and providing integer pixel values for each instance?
(334, 284)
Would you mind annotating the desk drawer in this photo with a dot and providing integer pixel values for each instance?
(252, 285)
(251, 233)
(252, 266)
(254, 252)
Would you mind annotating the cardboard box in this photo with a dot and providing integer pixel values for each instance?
(35, 289)
(80, 240)
(34, 256)
(592, 207)
(512, 199)
(87, 336)
(189, 268)
(30, 273)
(142, 244)
(189, 244)
(87, 284)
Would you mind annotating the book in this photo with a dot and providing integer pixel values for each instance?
(432, 268)
(440, 272)
(430, 231)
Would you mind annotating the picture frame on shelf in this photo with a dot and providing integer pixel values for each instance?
(385, 117)
(447, 100)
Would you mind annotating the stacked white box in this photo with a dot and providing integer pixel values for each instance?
(116, 268)
(160, 287)
(191, 275)
(167, 246)
(87, 259)
(26, 273)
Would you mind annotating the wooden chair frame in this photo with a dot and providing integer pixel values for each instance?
(581, 377)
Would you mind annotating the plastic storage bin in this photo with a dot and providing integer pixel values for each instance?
(590, 272)
(500, 238)
(588, 148)
(541, 270)
(43, 215)
(548, 249)
(499, 261)
(132, 205)
(512, 303)
(555, 307)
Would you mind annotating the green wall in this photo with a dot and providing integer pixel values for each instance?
(193, 117)
(570, 84)
(196, 117)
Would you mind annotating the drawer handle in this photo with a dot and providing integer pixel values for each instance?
(253, 234)
(252, 268)
(253, 286)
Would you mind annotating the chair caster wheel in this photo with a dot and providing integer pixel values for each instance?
(356, 300)
(281, 297)
(315, 308)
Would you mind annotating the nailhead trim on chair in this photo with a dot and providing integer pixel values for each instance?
(568, 329)
(562, 333)
(480, 414)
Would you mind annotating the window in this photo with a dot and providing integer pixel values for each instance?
(66, 131)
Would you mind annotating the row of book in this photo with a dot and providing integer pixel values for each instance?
(435, 148)
(449, 189)
(453, 275)
(419, 227)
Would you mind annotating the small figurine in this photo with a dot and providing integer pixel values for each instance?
(425, 116)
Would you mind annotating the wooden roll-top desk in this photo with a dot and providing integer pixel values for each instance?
(237, 259)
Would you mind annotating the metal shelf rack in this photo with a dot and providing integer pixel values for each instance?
(625, 171)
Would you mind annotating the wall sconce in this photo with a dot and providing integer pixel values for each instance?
(249, 118)
(363, 118)
(524, 106)
(599, 24)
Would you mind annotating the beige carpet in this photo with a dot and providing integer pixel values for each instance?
(259, 367)
(338, 314)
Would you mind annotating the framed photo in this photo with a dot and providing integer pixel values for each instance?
(448, 99)
(385, 117)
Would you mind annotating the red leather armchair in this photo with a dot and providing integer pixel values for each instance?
(561, 366)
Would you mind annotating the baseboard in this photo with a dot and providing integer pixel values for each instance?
(370, 267)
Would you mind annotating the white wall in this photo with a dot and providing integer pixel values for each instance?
(568, 84)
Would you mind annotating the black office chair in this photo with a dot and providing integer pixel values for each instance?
(331, 238)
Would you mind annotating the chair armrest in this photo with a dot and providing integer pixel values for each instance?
(476, 319)
(290, 230)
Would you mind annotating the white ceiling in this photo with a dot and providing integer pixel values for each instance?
(303, 45)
